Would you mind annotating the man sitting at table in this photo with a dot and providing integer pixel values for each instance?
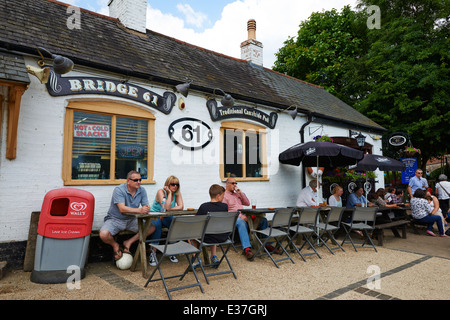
(236, 200)
(356, 199)
(307, 197)
(129, 197)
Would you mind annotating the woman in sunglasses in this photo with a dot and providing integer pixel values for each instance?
(174, 201)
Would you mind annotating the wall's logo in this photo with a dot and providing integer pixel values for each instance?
(78, 208)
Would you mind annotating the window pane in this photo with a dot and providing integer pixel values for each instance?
(233, 151)
(91, 150)
(252, 154)
(131, 146)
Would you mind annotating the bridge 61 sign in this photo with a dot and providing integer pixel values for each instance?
(190, 133)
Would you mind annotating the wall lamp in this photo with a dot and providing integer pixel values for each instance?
(61, 65)
(292, 113)
(360, 138)
(227, 100)
(183, 88)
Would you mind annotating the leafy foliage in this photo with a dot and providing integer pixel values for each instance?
(397, 75)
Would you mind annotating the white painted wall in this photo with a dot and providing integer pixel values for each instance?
(38, 166)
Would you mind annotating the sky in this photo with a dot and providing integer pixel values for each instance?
(221, 25)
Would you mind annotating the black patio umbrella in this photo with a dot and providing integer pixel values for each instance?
(320, 154)
(371, 162)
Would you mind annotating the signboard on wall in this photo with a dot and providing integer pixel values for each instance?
(84, 130)
(63, 86)
(241, 112)
(409, 172)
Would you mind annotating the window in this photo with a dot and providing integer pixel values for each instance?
(104, 141)
(244, 153)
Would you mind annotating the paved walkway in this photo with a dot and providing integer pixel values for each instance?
(407, 269)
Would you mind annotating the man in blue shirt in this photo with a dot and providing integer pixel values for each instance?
(417, 182)
(356, 199)
(129, 197)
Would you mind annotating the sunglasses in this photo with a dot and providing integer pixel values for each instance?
(136, 180)
(175, 184)
(232, 183)
(419, 172)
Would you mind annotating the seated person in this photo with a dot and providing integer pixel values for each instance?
(421, 211)
(435, 209)
(390, 194)
(307, 197)
(174, 201)
(129, 197)
(379, 199)
(236, 200)
(335, 199)
(216, 194)
(356, 199)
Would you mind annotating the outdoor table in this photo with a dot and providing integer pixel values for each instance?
(144, 221)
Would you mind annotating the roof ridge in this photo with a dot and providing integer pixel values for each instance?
(84, 10)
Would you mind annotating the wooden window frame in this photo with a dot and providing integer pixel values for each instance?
(111, 109)
(244, 126)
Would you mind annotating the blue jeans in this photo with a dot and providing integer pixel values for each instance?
(241, 225)
(431, 219)
(158, 225)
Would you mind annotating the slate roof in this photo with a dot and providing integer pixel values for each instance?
(12, 68)
(102, 42)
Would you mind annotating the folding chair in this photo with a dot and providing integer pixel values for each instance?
(306, 226)
(220, 223)
(330, 227)
(182, 228)
(363, 219)
(281, 220)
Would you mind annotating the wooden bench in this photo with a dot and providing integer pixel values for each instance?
(418, 225)
(393, 225)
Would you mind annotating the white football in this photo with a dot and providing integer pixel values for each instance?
(125, 262)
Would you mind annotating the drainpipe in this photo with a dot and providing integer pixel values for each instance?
(302, 140)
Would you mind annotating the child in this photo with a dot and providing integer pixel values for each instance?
(216, 193)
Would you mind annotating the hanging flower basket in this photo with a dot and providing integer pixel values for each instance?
(322, 138)
(411, 151)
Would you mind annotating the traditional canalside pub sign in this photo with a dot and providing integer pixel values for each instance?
(242, 112)
(63, 86)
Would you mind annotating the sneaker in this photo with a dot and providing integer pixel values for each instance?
(196, 264)
(215, 262)
(431, 233)
(444, 235)
(152, 259)
(173, 259)
(271, 249)
(248, 253)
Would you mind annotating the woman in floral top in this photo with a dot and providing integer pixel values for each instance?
(421, 211)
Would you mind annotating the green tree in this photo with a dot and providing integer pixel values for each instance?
(324, 42)
(397, 75)
(402, 82)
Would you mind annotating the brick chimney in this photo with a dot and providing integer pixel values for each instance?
(251, 49)
(131, 13)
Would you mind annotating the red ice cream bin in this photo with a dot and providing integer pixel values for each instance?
(64, 229)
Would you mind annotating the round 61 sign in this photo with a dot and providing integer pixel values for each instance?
(190, 133)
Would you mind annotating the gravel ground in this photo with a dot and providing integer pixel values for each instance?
(404, 265)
